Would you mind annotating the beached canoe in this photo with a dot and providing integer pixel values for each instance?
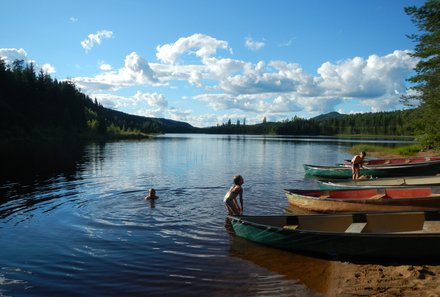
(431, 180)
(398, 161)
(341, 171)
(371, 200)
(397, 235)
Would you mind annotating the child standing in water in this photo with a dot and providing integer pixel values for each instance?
(231, 196)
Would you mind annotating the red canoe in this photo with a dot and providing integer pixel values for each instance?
(398, 161)
(371, 200)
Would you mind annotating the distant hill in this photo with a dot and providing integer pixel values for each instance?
(326, 116)
(160, 125)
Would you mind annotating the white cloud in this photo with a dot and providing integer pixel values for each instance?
(204, 46)
(47, 68)
(105, 67)
(136, 71)
(97, 38)
(274, 88)
(152, 99)
(73, 19)
(253, 45)
(113, 101)
(9, 55)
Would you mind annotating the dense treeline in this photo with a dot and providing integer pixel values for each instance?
(395, 123)
(35, 105)
(426, 81)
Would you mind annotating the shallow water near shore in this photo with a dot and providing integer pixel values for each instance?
(74, 222)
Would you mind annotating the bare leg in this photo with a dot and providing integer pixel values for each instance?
(232, 208)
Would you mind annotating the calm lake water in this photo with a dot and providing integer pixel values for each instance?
(74, 222)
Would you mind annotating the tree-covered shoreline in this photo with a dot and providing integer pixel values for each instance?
(37, 106)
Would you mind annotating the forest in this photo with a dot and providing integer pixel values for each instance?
(33, 105)
(36, 106)
(393, 123)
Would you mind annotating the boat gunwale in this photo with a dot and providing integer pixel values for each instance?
(342, 167)
(369, 200)
(339, 233)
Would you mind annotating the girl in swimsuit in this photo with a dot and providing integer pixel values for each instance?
(231, 197)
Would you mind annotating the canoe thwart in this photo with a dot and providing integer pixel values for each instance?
(377, 196)
(356, 227)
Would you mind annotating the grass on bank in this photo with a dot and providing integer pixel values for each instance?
(382, 151)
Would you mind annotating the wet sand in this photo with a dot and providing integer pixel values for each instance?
(342, 278)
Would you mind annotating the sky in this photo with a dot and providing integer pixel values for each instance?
(205, 62)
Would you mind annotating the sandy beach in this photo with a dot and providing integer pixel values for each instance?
(335, 278)
(348, 279)
(377, 280)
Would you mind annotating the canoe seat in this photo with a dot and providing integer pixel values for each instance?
(356, 227)
(377, 196)
(324, 196)
(398, 222)
(431, 226)
(290, 227)
(325, 223)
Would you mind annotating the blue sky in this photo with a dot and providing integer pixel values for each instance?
(204, 62)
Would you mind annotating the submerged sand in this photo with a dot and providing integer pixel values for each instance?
(335, 278)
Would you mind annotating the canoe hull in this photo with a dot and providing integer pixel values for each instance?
(333, 205)
(406, 181)
(376, 171)
(398, 161)
(341, 244)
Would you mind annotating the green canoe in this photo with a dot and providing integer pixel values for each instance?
(406, 236)
(344, 171)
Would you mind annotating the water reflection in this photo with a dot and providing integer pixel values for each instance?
(72, 214)
(25, 162)
(312, 272)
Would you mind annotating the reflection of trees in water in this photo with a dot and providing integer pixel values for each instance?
(312, 272)
(23, 162)
(32, 173)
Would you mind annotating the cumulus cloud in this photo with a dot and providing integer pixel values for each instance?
(97, 38)
(152, 99)
(253, 45)
(47, 68)
(113, 101)
(277, 89)
(136, 71)
(9, 55)
(105, 67)
(145, 104)
(203, 46)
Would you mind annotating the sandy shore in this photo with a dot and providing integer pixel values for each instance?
(348, 279)
(342, 278)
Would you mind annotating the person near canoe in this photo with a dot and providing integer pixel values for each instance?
(151, 195)
(230, 198)
(356, 164)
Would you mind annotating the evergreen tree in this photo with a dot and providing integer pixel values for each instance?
(427, 79)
